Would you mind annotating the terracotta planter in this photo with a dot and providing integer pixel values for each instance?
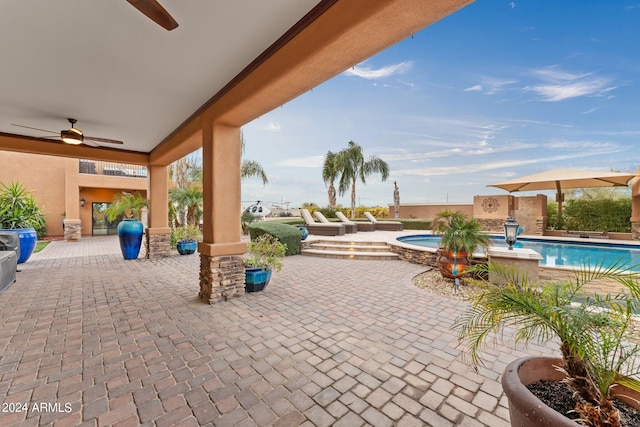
(452, 264)
(525, 409)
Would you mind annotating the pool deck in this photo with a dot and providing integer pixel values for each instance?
(99, 341)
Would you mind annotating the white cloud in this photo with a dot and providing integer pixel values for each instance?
(369, 73)
(273, 127)
(302, 162)
(558, 85)
(474, 88)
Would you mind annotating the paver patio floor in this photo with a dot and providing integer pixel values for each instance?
(94, 340)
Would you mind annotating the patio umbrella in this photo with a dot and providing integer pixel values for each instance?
(559, 179)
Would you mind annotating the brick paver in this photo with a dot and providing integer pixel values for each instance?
(86, 337)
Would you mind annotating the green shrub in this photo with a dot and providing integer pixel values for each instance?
(286, 234)
(414, 224)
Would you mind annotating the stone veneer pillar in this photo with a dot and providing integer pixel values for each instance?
(221, 277)
(72, 229)
(635, 230)
(158, 244)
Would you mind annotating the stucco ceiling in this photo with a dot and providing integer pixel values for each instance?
(118, 73)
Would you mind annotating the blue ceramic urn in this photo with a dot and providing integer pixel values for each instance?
(130, 233)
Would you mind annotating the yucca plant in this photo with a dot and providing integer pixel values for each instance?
(19, 209)
(591, 328)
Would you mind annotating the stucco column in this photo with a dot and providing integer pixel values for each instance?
(158, 233)
(221, 264)
(72, 224)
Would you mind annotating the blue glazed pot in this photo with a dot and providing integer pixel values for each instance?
(130, 234)
(28, 239)
(304, 231)
(256, 279)
(186, 247)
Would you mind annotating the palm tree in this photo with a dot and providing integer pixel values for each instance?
(352, 166)
(251, 168)
(189, 198)
(329, 175)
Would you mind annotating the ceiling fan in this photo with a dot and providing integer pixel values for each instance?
(154, 11)
(75, 136)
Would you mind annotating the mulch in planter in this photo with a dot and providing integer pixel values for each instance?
(561, 398)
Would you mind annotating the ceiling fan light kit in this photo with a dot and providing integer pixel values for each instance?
(71, 136)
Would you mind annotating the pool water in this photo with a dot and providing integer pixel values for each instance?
(558, 253)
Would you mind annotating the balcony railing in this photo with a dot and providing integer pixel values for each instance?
(92, 167)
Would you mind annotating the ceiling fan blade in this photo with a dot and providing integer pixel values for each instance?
(108, 141)
(29, 127)
(90, 143)
(154, 11)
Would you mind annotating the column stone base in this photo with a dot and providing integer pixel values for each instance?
(72, 229)
(221, 277)
(158, 244)
(635, 230)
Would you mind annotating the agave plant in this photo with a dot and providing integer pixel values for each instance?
(591, 328)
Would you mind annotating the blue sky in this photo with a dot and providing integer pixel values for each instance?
(495, 91)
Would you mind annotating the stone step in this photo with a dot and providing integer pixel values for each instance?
(348, 243)
(357, 247)
(350, 255)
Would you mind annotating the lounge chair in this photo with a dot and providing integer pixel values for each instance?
(384, 225)
(321, 229)
(349, 228)
(361, 226)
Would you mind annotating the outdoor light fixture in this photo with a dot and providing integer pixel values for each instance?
(82, 202)
(72, 136)
(511, 231)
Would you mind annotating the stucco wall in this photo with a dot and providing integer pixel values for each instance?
(44, 176)
(428, 211)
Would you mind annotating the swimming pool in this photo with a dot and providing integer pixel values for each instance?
(556, 253)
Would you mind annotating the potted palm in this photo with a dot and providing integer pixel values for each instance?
(460, 237)
(597, 359)
(128, 206)
(265, 255)
(20, 213)
(187, 238)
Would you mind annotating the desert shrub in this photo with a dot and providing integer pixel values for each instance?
(286, 234)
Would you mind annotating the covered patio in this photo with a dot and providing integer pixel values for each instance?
(164, 94)
(123, 343)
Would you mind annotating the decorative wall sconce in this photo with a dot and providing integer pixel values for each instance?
(82, 202)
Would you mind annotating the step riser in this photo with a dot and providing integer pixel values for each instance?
(378, 251)
(346, 256)
(349, 248)
(345, 243)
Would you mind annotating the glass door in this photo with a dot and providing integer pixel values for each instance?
(100, 224)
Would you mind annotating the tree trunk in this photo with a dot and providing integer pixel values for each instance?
(353, 199)
(332, 196)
